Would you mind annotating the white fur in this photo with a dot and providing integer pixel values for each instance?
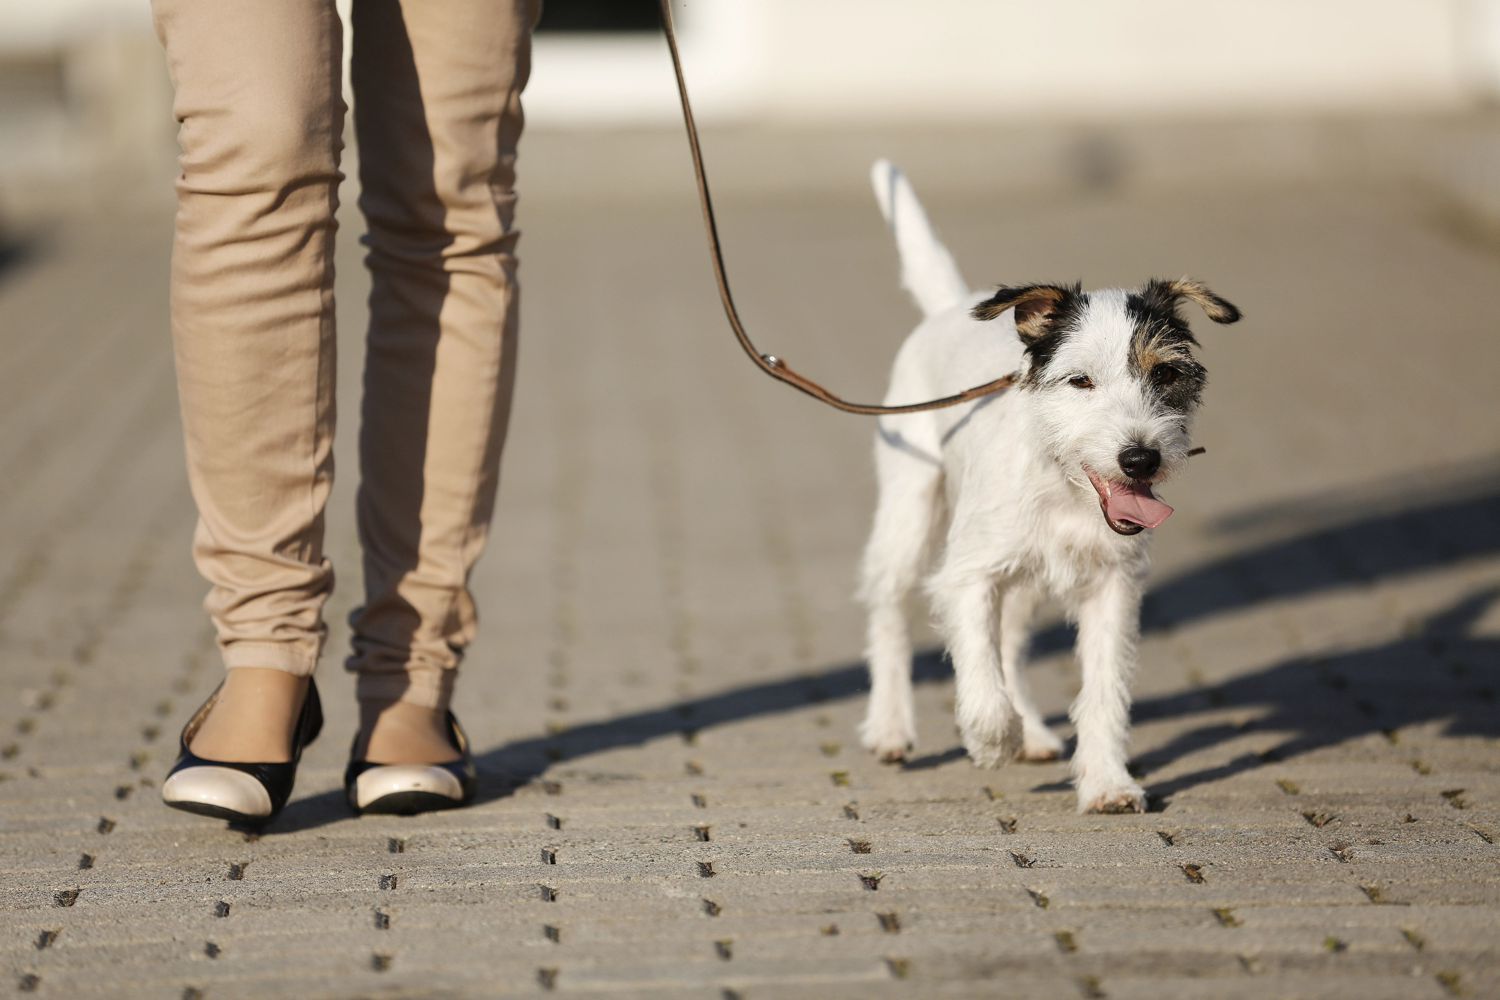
(1001, 481)
(927, 268)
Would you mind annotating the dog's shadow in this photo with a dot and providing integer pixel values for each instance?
(1439, 671)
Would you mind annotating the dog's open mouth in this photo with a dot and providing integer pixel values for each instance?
(1129, 507)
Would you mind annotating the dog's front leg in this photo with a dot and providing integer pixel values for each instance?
(1038, 743)
(1108, 627)
(987, 721)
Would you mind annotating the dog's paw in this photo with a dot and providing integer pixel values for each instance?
(992, 743)
(1039, 745)
(890, 743)
(893, 753)
(1123, 798)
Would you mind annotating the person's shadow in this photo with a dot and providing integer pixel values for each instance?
(1439, 671)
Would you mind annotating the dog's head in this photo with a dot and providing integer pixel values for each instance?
(1114, 383)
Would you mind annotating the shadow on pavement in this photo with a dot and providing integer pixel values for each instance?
(1450, 518)
(15, 253)
(514, 765)
(1440, 671)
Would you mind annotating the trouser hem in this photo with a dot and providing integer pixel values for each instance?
(271, 656)
(426, 687)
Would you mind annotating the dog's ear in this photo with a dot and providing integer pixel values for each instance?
(1169, 293)
(1035, 307)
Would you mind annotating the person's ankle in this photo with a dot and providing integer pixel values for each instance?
(403, 733)
(254, 719)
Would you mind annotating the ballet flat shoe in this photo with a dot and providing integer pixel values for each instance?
(407, 789)
(245, 793)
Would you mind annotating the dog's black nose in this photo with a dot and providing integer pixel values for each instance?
(1140, 463)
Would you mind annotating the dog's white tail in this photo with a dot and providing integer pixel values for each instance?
(927, 268)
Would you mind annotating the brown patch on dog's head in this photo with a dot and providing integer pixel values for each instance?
(1154, 345)
(1038, 308)
(1043, 314)
(1164, 361)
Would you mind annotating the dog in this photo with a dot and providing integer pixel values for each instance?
(1045, 490)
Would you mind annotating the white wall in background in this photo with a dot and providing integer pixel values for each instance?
(840, 60)
(821, 60)
(1481, 33)
(53, 23)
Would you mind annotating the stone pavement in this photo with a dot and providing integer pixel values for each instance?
(665, 693)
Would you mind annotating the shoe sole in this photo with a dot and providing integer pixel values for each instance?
(410, 803)
(219, 812)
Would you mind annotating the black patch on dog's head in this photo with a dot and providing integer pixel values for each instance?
(1162, 297)
(1044, 315)
(1161, 345)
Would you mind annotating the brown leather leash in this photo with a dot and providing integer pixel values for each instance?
(772, 365)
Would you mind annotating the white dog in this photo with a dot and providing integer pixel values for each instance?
(1045, 489)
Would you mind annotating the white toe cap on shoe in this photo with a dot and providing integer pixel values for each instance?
(389, 779)
(218, 786)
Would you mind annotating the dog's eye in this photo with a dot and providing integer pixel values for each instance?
(1164, 374)
(1081, 382)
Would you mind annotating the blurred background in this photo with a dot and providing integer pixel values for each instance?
(84, 93)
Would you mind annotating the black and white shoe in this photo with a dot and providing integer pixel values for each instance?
(406, 789)
(252, 794)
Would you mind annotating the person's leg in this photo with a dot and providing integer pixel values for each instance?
(437, 115)
(259, 101)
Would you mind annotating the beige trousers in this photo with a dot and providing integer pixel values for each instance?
(437, 116)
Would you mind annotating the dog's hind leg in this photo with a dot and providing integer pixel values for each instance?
(894, 557)
(1017, 606)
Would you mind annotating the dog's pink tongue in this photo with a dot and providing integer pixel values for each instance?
(1136, 504)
